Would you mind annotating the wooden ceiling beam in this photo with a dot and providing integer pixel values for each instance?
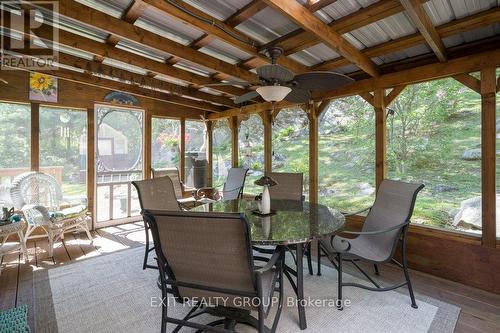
(95, 81)
(127, 31)
(131, 14)
(102, 51)
(299, 39)
(304, 18)
(234, 37)
(469, 81)
(128, 81)
(465, 64)
(395, 92)
(419, 17)
(315, 5)
(244, 13)
(467, 23)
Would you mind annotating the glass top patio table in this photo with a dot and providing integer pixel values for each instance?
(293, 222)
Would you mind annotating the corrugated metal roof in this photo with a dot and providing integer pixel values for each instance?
(268, 24)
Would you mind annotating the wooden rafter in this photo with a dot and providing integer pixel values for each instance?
(131, 14)
(304, 18)
(467, 23)
(419, 17)
(210, 26)
(315, 5)
(465, 64)
(106, 51)
(127, 31)
(299, 39)
(469, 81)
(245, 13)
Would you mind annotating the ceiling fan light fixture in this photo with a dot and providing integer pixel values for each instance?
(273, 93)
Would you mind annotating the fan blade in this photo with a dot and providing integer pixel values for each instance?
(229, 83)
(321, 80)
(246, 97)
(298, 96)
(275, 72)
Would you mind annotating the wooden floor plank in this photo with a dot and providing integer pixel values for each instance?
(8, 281)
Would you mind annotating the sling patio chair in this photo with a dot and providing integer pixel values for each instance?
(157, 193)
(290, 187)
(205, 258)
(183, 193)
(231, 190)
(385, 225)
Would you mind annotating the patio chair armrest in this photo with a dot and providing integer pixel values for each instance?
(274, 260)
(358, 212)
(377, 232)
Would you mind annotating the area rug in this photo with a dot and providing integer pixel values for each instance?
(112, 293)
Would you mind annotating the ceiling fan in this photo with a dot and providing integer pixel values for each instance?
(277, 83)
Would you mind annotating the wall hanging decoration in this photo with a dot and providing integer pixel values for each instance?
(43, 87)
(118, 97)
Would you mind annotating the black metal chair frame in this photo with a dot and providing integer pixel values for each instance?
(338, 260)
(231, 316)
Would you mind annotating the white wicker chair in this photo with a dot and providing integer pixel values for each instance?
(40, 197)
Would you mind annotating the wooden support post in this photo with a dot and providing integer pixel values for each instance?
(182, 153)
(234, 125)
(488, 155)
(35, 137)
(91, 165)
(267, 120)
(313, 152)
(380, 136)
(147, 144)
(210, 141)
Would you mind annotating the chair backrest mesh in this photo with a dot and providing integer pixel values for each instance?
(173, 173)
(289, 186)
(208, 249)
(393, 206)
(234, 184)
(157, 193)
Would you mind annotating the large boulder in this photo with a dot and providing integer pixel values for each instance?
(366, 189)
(472, 154)
(468, 216)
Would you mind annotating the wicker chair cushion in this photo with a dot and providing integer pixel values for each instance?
(68, 213)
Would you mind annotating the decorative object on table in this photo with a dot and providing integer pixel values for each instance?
(7, 213)
(43, 87)
(14, 320)
(265, 204)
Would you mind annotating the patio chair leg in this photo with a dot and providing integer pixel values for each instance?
(145, 263)
(405, 270)
(377, 272)
(319, 258)
(309, 259)
(339, 270)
